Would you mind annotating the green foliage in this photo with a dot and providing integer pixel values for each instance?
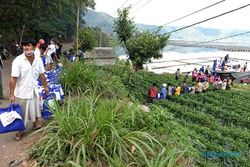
(41, 18)
(124, 26)
(95, 131)
(144, 46)
(141, 46)
(101, 131)
(99, 38)
(218, 119)
(79, 77)
(86, 38)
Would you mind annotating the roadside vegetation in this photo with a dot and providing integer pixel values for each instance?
(99, 126)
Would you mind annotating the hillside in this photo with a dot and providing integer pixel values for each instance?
(103, 123)
(106, 21)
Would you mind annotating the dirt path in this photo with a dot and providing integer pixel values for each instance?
(10, 149)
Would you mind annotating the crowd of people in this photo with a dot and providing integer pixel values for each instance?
(226, 64)
(202, 79)
(50, 53)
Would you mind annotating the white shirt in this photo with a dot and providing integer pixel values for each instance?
(37, 52)
(51, 49)
(27, 76)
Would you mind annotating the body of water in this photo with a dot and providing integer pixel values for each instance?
(188, 58)
(186, 61)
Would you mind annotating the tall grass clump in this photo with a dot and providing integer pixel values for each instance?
(77, 77)
(93, 132)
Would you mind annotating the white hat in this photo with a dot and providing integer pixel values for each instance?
(164, 85)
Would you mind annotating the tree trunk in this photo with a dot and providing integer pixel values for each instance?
(137, 66)
(21, 37)
(77, 26)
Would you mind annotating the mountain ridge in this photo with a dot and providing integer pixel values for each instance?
(106, 23)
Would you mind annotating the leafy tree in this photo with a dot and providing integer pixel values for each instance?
(39, 18)
(18, 16)
(141, 46)
(87, 39)
(124, 26)
(144, 46)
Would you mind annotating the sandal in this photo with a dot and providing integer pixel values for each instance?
(36, 128)
(15, 163)
(18, 137)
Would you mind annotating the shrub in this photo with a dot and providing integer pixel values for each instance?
(104, 132)
(79, 77)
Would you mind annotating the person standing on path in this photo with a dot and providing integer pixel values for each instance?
(26, 69)
(177, 74)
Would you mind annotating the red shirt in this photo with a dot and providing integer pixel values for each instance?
(152, 92)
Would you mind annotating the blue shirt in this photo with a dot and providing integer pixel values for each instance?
(163, 93)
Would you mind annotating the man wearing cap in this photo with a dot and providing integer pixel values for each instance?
(26, 69)
(163, 92)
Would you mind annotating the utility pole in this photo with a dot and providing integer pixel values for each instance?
(100, 39)
(77, 26)
(21, 37)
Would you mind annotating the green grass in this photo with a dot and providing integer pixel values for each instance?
(89, 129)
(78, 77)
(96, 126)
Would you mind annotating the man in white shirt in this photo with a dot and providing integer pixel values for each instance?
(26, 69)
(51, 49)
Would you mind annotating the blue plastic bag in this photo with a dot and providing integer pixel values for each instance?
(17, 124)
(46, 113)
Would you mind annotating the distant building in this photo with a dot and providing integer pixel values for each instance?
(101, 56)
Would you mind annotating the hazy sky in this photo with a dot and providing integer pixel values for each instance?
(159, 12)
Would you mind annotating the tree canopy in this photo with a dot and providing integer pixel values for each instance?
(144, 46)
(140, 46)
(124, 26)
(39, 18)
